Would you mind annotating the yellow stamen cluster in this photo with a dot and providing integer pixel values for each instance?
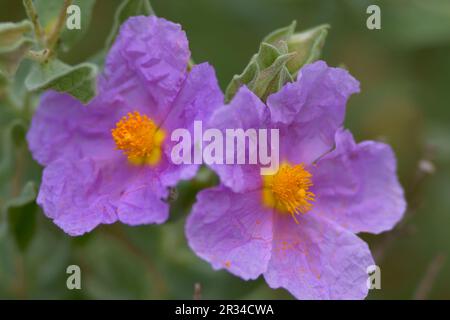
(288, 190)
(139, 138)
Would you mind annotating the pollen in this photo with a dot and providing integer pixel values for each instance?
(139, 138)
(288, 190)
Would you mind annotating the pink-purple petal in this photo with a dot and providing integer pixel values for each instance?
(63, 127)
(88, 181)
(199, 96)
(246, 111)
(147, 63)
(356, 185)
(317, 259)
(309, 111)
(231, 231)
(80, 194)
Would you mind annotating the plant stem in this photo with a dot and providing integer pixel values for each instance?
(425, 286)
(33, 16)
(54, 36)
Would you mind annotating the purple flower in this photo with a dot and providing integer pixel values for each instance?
(110, 160)
(297, 227)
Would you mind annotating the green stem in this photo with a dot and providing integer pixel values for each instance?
(54, 36)
(33, 16)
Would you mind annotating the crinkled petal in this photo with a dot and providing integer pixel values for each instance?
(231, 230)
(81, 194)
(317, 259)
(146, 66)
(309, 111)
(356, 185)
(197, 99)
(63, 127)
(246, 111)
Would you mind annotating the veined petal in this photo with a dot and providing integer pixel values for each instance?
(317, 259)
(246, 111)
(63, 127)
(309, 111)
(231, 231)
(146, 66)
(81, 194)
(357, 186)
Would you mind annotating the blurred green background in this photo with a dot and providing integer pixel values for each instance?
(404, 70)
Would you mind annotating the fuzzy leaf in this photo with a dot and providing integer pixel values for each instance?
(308, 47)
(78, 81)
(281, 55)
(272, 78)
(11, 33)
(13, 45)
(280, 37)
(265, 74)
(11, 57)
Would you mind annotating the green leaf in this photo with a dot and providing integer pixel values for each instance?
(265, 74)
(250, 72)
(273, 77)
(280, 37)
(78, 81)
(49, 11)
(126, 9)
(307, 46)
(13, 45)
(281, 55)
(11, 57)
(11, 33)
(21, 212)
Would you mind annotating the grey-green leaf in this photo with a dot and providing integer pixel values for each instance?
(78, 81)
(307, 46)
(13, 45)
(265, 74)
(11, 57)
(245, 77)
(11, 33)
(126, 9)
(271, 79)
(279, 37)
(281, 55)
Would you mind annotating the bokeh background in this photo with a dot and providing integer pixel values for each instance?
(404, 70)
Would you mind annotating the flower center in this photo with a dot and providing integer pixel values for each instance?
(139, 138)
(288, 190)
